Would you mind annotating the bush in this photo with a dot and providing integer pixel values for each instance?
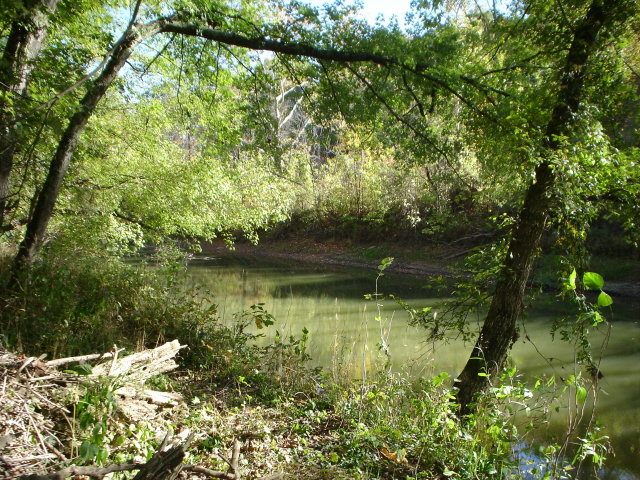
(72, 304)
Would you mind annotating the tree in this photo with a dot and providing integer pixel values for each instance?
(398, 81)
(177, 24)
(25, 40)
(498, 332)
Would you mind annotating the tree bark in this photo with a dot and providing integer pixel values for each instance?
(23, 45)
(498, 332)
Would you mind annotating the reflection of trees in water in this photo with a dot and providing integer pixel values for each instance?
(234, 284)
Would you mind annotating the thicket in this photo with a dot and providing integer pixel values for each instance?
(369, 197)
(90, 301)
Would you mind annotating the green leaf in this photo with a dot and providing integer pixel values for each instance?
(597, 318)
(385, 262)
(604, 300)
(592, 280)
(571, 283)
(88, 451)
(581, 394)
(83, 369)
(438, 379)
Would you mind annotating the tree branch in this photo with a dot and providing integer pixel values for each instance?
(396, 115)
(84, 79)
(276, 46)
(93, 472)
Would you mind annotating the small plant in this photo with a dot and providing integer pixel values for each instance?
(576, 330)
(92, 414)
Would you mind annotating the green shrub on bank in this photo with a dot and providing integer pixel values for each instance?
(82, 302)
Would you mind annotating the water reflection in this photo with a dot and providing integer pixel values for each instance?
(346, 339)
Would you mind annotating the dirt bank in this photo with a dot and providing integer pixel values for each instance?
(417, 261)
(407, 260)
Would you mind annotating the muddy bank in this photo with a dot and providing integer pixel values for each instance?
(423, 261)
(334, 254)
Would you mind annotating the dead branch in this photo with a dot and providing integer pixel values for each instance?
(82, 358)
(232, 474)
(30, 395)
(208, 472)
(93, 472)
(166, 463)
(142, 365)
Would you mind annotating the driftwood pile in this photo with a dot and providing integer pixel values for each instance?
(36, 418)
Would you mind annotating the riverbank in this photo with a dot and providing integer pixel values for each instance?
(243, 408)
(432, 261)
(622, 277)
(344, 333)
(284, 418)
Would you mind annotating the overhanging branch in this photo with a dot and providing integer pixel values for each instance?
(276, 46)
(263, 43)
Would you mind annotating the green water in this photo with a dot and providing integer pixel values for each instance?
(346, 338)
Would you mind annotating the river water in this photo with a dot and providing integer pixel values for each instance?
(349, 335)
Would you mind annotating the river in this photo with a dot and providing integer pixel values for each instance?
(346, 333)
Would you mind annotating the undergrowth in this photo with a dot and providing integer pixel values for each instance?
(74, 304)
(289, 418)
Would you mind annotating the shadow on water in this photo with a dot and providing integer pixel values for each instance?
(345, 338)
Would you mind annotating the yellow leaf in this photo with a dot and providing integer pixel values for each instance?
(386, 453)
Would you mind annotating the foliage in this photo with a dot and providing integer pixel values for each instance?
(576, 330)
(200, 139)
(90, 302)
(93, 414)
(386, 427)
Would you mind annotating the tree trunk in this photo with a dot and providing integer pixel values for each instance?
(36, 228)
(499, 329)
(23, 45)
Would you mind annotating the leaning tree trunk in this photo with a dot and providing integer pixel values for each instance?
(499, 329)
(48, 195)
(23, 45)
(37, 226)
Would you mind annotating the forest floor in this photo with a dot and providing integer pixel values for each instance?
(623, 276)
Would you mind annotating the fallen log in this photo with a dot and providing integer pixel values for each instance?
(141, 366)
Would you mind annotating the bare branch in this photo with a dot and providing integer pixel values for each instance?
(81, 358)
(208, 472)
(93, 472)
